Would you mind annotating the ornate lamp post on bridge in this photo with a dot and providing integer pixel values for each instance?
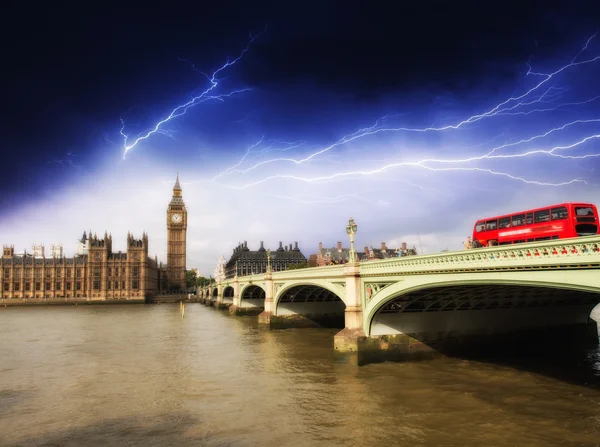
(351, 230)
(268, 260)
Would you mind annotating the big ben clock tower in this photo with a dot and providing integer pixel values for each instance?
(176, 232)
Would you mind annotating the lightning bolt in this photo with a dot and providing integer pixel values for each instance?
(241, 161)
(542, 92)
(424, 164)
(287, 145)
(207, 95)
(367, 196)
(323, 202)
(68, 160)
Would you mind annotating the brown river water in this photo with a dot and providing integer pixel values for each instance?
(142, 376)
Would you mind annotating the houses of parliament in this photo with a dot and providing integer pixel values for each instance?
(96, 273)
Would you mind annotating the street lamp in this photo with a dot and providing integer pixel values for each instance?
(351, 230)
(268, 260)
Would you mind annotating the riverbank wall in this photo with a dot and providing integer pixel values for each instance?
(12, 302)
(161, 299)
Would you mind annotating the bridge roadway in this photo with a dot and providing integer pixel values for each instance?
(418, 306)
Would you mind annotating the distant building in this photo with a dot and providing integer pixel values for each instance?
(96, 272)
(247, 262)
(83, 245)
(340, 255)
(56, 251)
(333, 255)
(37, 251)
(100, 275)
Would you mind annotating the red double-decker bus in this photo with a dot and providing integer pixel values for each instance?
(553, 222)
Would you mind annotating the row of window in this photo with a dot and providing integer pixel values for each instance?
(250, 269)
(68, 272)
(97, 272)
(38, 286)
(38, 272)
(135, 284)
(518, 220)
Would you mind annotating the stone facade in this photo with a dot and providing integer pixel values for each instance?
(244, 261)
(176, 240)
(96, 273)
(100, 275)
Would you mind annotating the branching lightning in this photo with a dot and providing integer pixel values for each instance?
(209, 94)
(526, 103)
(283, 147)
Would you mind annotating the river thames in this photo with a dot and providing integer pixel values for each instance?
(142, 376)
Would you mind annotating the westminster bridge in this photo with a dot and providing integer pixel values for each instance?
(416, 306)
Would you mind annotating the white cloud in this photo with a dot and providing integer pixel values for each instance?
(122, 200)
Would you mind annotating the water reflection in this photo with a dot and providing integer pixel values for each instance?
(141, 375)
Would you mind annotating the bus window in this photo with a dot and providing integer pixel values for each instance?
(584, 211)
(518, 220)
(529, 219)
(480, 226)
(504, 222)
(491, 225)
(541, 216)
(560, 213)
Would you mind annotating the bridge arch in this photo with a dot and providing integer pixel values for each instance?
(543, 298)
(228, 292)
(252, 296)
(321, 303)
(251, 285)
(282, 289)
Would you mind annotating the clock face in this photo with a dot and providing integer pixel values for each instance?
(176, 218)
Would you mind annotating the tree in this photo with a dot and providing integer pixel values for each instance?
(190, 279)
(201, 281)
(300, 265)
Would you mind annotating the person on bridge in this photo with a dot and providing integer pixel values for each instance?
(468, 244)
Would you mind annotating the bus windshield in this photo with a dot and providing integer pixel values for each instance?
(584, 211)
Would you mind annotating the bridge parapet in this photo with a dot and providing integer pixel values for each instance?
(251, 278)
(329, 271)
(560, 253)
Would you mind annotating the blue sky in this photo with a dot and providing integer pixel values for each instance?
(321, 118)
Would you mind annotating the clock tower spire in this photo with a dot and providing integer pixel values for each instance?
(176, 239)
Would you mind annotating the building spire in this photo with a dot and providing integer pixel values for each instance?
(177, 186)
